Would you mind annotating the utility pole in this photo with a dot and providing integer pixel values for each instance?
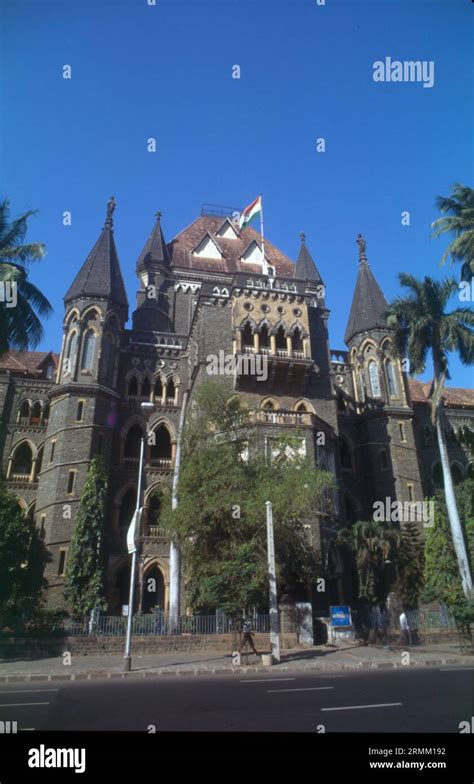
(132, 546)
(274, 624)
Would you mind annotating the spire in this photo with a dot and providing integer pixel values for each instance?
(368, 304)
(305, 267)
(155, 253)
(100, 275)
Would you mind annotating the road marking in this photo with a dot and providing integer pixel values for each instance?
(25, 691)
(356, 707)
(454, 669)
(21, 704)
(267, 680)
(26, 729)
(312, 688)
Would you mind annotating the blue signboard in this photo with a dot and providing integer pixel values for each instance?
(341, 615)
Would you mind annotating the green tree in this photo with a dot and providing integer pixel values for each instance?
(410, 566)
(84, 583)
(423, 327)
(220, 518)
(20, 326)
(22, 561)
(373, 544)
(458, 220)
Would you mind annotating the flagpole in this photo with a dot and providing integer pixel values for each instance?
(264, 263)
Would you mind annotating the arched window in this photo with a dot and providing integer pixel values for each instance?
(71, 351)
(88, 350)
(22, 460)
(146, 389)
(391, 379)
(161, 449)
(297, 341)
(170, 391)
(456, 473)
(158, 389)
(153, 589)
(301, 408)
(133, 443)
(24, 413)
(133, 387)
(280, 339)
(36, 413)
(374, 379)
(247, 336)
(268, 406)
(264, 337)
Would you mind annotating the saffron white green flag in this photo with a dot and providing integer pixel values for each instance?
(133, 529)
(250, 212)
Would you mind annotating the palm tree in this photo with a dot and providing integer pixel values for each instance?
(422, 327)
(460, 223)
(20, 327)
(372, 543)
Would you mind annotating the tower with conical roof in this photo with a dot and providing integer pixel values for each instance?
(385, 458)
(85, 400)
(153, 311)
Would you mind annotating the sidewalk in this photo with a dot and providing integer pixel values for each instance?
(324, 658)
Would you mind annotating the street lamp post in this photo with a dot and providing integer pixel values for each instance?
(132, 544)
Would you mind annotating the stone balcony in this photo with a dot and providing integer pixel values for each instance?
(273, 366)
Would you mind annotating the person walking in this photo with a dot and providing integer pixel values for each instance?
(405, 632)
(246, 635)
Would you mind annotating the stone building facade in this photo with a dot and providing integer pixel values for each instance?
(210, 293)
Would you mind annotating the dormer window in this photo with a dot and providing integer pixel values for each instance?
(227, 231)
(207, 249)
(253, 254)
(49, 371)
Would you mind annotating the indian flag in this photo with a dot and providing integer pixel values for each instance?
(250, 212)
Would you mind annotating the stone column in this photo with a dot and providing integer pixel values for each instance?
(289, 345)
(273, 345)
(256, 342)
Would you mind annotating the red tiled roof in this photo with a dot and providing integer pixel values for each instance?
(232, 249)
(27, 362)
(452, 396)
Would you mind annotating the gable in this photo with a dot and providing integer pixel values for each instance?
(227, 231)
(207, 248)
(253, 254)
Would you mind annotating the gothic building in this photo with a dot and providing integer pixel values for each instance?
(208, 291)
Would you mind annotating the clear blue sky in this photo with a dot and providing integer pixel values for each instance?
(306, 72)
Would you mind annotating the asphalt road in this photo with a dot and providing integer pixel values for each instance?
(416, 700)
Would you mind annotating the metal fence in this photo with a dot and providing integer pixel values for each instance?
(154, 624)
(431, 619)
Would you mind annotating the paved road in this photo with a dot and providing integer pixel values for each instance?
(415, 700)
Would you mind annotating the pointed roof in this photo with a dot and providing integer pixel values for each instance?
(155, 251)
(305, 267)
(100, 275)
(368, 304)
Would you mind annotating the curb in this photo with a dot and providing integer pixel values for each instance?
(360, 665)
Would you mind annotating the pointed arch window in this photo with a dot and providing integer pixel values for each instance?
(170, 391)
(280, 339)
(133, 443)
(133, 387)
(391, 379)
(374, 379)
(88, 350)
(71, 352)
(146, 389)
(264, 337)
(158, 389)
(22, 460)
(297, 341)
(247, 336)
